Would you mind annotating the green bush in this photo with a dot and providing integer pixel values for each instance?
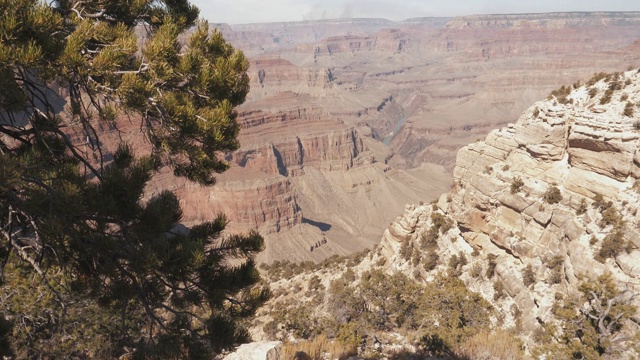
(429, 239)
(416, 259)
(349, 276)
(556, 276)
(615, 85)
(555, 265)
(561, 94)
(552, 195)
(597, 77)
(629, 109)
(612, 245)
(437, 220)
(315, 284)
(589, 324)
(528, 276)
(433, 345)
(498, 290)
(555, 261)
(476, 270)
(606, 98)
(406, 250)
(448, 224)
(516, 185)
(610, 216)
(440, 223)
(491, 268)
(430, 261)
(582, 208)
(382, 302)
(599, 203)
(456, 263)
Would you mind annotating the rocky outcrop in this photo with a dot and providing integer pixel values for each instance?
(271, 75)
(286, 117)
(386, 40)
(267, 203)
(584, 148)
(327, 151)
(263, 350)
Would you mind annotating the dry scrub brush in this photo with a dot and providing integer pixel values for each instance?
(496, 345)
(319, 348)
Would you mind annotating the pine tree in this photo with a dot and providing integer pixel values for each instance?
(595, 323)
(79, 248)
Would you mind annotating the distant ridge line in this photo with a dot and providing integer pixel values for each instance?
(420, 19)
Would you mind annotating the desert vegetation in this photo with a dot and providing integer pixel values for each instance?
(441, 315)
(606, 98)
(497, 345)
(552, 195)
(491, 268)
(562, 94)
(318, 348)
(536, 112)
(93, 264)
(582, 208)
(555, 265)
(89, 266)
(456, 263)
(287, 269)
(629, 109)
(614, 243)
(528, 276)
(591, 324)
(516, 185)
(597, 77)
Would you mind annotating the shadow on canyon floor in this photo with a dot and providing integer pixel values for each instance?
(320, 225)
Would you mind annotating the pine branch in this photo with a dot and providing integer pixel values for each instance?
(22, 252)
(97, 15)
(75, 152)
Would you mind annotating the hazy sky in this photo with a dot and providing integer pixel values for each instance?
(249, 11)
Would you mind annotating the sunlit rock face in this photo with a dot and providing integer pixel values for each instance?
(352, 119)
(349, 120)
(586, 146)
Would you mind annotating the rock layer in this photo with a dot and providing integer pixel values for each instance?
(501, 210)
(346, 118)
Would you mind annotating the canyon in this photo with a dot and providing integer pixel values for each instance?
(542, 210)
(349, 120)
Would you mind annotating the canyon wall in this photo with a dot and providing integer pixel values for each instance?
(348, 120)
(554, 195)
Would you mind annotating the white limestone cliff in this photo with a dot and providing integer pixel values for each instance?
(583, 148)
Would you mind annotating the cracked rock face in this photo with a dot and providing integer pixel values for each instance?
(504, 212)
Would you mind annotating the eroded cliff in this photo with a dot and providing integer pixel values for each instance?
(547, 203)
(542, 215)
(355, 118)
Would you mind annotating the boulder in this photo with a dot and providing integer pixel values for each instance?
(261, 350)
